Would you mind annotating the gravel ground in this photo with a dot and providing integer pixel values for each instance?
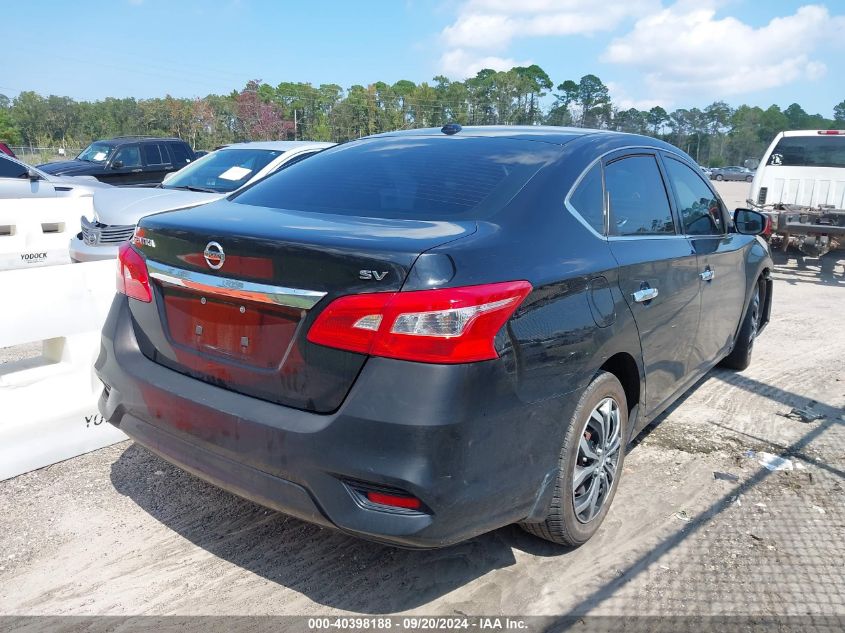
(698, 526)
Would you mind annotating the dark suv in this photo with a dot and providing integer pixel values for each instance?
(126, 160)
(422, 336)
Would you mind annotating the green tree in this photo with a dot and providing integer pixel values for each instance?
(657, 118)
(594, 100)
(9, 132)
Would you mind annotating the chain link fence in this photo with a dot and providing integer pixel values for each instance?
(38, 155)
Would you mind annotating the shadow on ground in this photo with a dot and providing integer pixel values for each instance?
(331, 568)
(828, 269)
(344, 572)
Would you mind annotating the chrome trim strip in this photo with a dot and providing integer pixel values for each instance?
(234, 288)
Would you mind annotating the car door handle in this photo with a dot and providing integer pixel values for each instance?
(707, 274)
(644, 294)
(137, 171)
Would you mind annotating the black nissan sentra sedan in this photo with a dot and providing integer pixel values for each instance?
(421, 336)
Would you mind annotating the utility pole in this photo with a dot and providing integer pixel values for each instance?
(294, 124)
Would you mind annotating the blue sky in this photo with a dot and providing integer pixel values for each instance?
(676, 53)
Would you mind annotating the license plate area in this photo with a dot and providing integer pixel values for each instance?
(255, 334)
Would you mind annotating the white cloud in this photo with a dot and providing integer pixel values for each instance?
(484, 27)
(685, 51)
(458, 63)
(623, 101)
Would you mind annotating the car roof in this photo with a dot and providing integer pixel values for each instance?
(131, 139)
(281, 146)
(812, 132)
(587, 138)
(543, 133)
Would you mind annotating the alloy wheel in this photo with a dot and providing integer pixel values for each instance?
(597, 460)
(755, 316)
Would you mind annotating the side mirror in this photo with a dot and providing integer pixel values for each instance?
(32, 174)
(117, 164)
(749, 222)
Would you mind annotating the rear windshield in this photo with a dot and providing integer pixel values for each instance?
(809, 151)
(406, 177)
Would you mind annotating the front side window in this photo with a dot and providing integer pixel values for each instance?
(637, 197)
(222, 171)
(588, 199)
(698, 206)
(129, 156)
(11, 169)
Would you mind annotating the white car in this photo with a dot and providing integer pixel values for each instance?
(19, 180)
(804, 168)
(214, 176)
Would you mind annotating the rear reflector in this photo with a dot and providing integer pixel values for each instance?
(132, 278)
(449, 325)
(396, 501)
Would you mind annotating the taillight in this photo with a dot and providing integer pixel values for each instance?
(132, 278)
(448, 325)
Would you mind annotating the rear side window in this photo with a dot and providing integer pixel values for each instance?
(637, 198)
(416, 177)
(824, 150)
(155, 154)
(180, 153)
(587, 199)
(10, 169)
(699, 208)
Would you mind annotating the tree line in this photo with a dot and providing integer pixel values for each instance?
(717, 134)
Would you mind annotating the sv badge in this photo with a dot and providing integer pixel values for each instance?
(372, 275)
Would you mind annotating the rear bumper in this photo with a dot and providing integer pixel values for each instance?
(457, 437)
(81, 252)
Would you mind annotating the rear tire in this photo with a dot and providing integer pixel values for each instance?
(740, 357)
(719, 177)
(593, 451)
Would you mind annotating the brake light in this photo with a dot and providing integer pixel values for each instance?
(449, 325)
(826, 132)
(132, 278)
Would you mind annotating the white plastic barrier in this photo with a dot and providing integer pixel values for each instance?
(36, 231)
(48, 404)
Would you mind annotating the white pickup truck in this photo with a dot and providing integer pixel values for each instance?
(800, 184)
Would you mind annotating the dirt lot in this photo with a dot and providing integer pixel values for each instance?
(698, 527)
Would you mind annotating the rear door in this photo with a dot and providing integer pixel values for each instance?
(720, 256)
(157, 162)
(658, 271)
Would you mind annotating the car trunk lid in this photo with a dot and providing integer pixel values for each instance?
(236, 288)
